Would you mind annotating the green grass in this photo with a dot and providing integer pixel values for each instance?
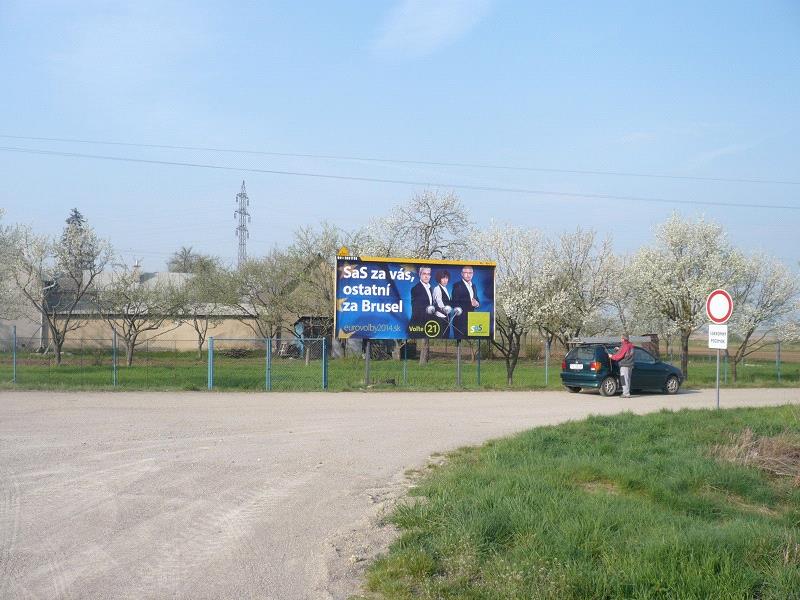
(610, 507)
(165, 370)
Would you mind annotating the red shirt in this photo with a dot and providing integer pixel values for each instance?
(626, 345)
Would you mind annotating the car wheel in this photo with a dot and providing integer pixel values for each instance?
(572, 389)
(672, 385)
(608, 387)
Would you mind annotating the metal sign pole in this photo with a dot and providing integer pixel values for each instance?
(717, 378)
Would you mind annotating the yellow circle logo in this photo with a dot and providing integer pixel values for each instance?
(432, 328)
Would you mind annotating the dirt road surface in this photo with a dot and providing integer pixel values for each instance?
(213, 495)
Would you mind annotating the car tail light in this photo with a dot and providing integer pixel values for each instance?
(595, 366)
(564, 365)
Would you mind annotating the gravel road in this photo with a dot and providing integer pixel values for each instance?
(215, 495)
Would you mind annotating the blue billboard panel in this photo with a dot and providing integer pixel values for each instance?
(396, 298)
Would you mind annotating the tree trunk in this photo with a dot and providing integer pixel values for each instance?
(200, 342)
(129, 352)
(425, 351)
(57, 345)
(685, 353)
(509, 373)
(734, 364)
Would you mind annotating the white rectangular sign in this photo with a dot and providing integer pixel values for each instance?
(718, 337)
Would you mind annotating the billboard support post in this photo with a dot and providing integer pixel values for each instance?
(366, 363)
(324, 364)
(458, 363)
(479, 363)
(405, 363)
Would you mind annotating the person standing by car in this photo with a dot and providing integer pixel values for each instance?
(625, 359)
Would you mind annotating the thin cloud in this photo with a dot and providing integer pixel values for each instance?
(416, 28)
(705, 158)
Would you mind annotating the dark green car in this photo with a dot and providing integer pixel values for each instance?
(589, 366)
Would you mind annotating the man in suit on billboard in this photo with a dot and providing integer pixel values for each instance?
(422, 308)
(465, 297)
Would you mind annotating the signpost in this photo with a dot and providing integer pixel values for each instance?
(719, 307)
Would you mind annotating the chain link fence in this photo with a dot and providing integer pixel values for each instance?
(303, 364)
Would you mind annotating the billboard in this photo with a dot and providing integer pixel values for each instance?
(400, 298)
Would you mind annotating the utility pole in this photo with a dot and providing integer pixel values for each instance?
(243, 215)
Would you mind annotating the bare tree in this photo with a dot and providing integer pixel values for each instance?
(205, 300)
(133, 307)
(186, 260)
(54, 275)
(265, 293)
(432, 224)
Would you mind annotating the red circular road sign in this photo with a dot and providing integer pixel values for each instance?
(719, 306)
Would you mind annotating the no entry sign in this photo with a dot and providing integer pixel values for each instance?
(719, 306)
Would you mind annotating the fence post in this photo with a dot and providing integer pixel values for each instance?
(366, 363)
(268, 342)
(324, 364)
(14, 354)
(211, 363)
(114, 357)
(479, 362)
(546, 362)
(778, 360)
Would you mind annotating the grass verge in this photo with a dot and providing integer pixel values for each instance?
(655, 506)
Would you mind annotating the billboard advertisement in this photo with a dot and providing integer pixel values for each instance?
(400, 298)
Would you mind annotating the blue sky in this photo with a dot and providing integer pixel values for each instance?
(706, 89)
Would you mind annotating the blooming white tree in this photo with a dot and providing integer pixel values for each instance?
(765, 302)
(54, 275)
(574, 285)
(518, 254)
(9, 294)
(674, 276)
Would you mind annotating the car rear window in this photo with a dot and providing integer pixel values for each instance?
(581, 353)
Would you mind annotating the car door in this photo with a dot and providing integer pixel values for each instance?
(646, 373)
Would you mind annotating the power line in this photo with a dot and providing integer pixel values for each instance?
(457, 186)
(467, 165)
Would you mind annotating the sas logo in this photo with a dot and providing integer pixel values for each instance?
(478, 324)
